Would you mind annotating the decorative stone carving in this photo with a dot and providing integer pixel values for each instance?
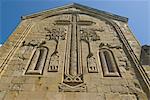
(67, 88)
(108, 62)
(88, 35)
(119, 46)
(33, 43)
(73, 80)
(23, 52)
(92, 66)
(16, 44)
(97, 86)
(37, 59)
(55, 34)
(54, 63)
(73, 75)
(25, 46)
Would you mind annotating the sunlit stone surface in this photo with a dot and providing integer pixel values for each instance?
(72, 53)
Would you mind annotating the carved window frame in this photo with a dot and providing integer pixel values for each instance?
(108, 63)
(36, 67)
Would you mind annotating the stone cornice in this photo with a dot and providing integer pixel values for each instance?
(80, 7)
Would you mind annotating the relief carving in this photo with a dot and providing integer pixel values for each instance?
(54, 62)
(117, 46)
(108, 62)
(88, 35)
(55, 34)
(16, 44)
(67, 88)
(33, 43)
(37, 59)
(26, 46)
(92, 66)
(24, 50)
(73, 80)
(73, 75)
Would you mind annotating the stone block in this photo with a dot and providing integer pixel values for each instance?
(112, 96)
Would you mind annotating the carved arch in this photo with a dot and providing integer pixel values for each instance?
(108, 62)
(37, 61)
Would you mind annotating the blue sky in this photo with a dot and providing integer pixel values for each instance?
(138, 12)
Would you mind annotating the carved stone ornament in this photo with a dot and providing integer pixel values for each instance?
(54, 63)
(92, 66)
(73, 75)
(55, 34)
(33, 43)
(108, 61)
(67, 88)
(73, 80)
(28, 45)
(37, 59)
(119, 46)
(88, 35)
(84, 55)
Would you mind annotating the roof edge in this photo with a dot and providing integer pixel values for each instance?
(76, 5)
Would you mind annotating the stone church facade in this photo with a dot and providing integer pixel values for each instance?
(72, 52)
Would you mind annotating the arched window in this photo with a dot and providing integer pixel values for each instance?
(108, 63)
(37, 61)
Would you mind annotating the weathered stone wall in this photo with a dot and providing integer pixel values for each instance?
(133, 42)
(37, 61)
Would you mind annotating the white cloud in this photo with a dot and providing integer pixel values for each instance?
(0, 45)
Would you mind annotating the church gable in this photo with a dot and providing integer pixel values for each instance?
(78, 8)
(69, 50)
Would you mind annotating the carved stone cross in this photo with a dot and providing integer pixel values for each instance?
(73, 60)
